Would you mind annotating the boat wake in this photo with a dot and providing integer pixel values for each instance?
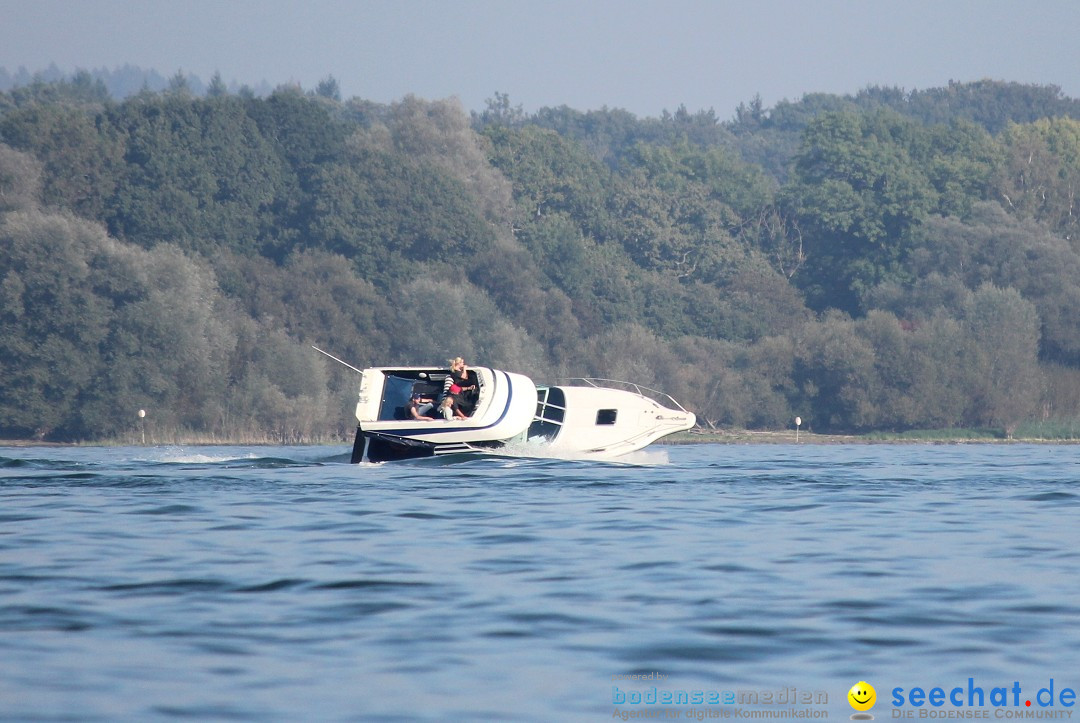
(542, 452)
(182, 456)
(233, 457)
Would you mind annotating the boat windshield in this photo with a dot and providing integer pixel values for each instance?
(396, 392)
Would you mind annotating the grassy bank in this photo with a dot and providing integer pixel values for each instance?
(1029, 433)
(183, 439)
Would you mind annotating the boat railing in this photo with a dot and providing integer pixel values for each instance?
(657, 396)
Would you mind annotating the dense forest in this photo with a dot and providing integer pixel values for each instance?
(887, 260)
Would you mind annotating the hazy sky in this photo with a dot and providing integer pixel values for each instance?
(642, 55)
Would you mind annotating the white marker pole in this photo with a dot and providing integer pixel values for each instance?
(798, 423)
(142, 424)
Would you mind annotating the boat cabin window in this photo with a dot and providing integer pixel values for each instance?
(550, 404)
(606, 416)
(550, 407)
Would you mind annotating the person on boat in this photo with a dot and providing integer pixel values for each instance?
(450, 409)
(420, 406)
(462, 386)
(457, 366)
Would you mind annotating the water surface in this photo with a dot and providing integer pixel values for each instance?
(281, 583)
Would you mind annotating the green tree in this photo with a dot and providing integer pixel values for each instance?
(20, 180)
(728, 384)
(856, 193)
(992, 104)
(438, 134)
(52, 322)
(943, 374)
(217, 87)
(675, 208)
(302, 131)
(961, 161)
(834, 372)
(386, 212)
(949, 255)
(1005, 328)
(551, 175)
(328, 88)
(499, 112)
(1042, 177)
(165, 346)
(282, 395)
(197, 173)
(82, 156)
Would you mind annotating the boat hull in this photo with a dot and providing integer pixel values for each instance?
(378, 447)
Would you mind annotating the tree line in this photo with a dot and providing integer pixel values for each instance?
(882, 261)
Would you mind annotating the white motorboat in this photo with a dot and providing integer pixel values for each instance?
(590, 418)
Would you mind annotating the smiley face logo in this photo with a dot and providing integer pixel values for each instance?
(862, 696)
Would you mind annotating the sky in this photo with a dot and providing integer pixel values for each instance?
(645, 56)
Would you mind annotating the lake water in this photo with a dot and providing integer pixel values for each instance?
(280, 583)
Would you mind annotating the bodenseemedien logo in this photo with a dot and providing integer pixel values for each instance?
(862, 697)
(662, 701)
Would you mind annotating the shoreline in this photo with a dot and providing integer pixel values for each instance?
(746, 436)
(696, 436)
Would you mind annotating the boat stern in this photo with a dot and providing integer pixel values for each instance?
(385, 431)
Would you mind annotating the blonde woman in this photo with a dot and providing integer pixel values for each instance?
(457, 367)
(461, 386)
